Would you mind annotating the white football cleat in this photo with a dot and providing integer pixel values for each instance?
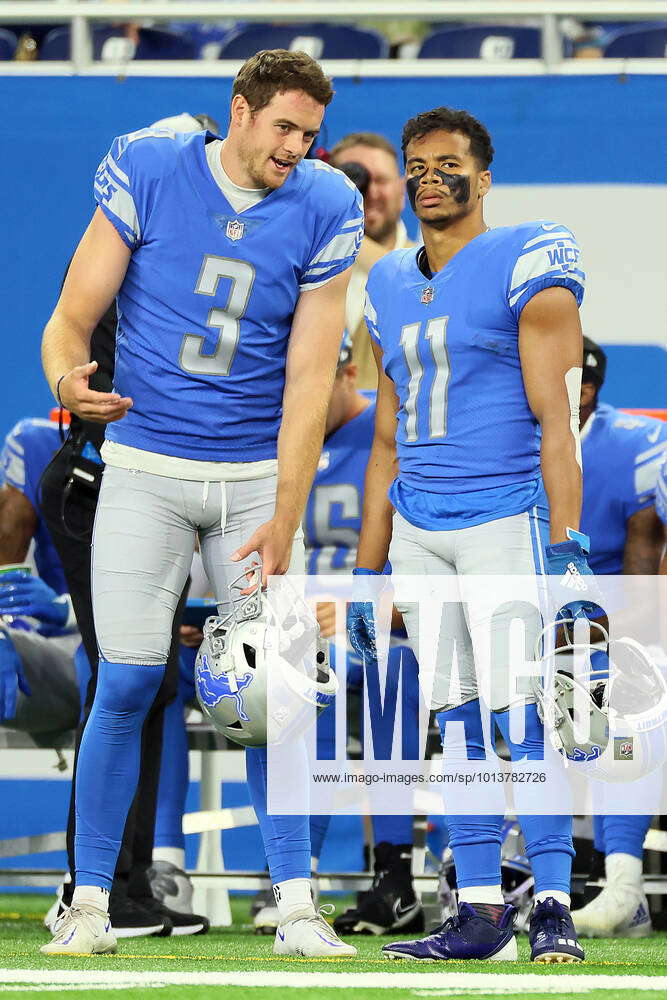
(82, 930)
(266, 920)
(308, 934)
(57, 909)
(618, 911)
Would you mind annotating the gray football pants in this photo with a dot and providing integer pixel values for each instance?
(477, 628)
(54, 706)
(143, 543)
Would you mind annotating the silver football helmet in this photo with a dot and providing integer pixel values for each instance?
(615, 709)
(261, 675)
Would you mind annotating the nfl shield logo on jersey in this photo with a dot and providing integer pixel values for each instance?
(235, 229)
(427, 296)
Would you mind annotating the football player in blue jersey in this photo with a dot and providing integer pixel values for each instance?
(478, 344)
(622, 454)
(39, 693)
(229, 259)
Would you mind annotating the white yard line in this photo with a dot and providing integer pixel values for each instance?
(424, 984)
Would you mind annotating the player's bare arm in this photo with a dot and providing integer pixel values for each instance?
(18, 524)
(643, 543)
(94, 276)
(550, 348)
(381, 471)
(313, 350)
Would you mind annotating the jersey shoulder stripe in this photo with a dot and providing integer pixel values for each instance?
(550, 256)
(334, 201)
(133, 161)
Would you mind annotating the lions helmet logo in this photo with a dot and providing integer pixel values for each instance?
(213, 688)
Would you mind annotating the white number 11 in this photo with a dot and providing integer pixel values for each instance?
(436, 335)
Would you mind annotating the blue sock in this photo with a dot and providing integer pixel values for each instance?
(625, 834)
(393, 829)
(474, 840)
(286, 838)
(108, 767)
(548, 838)
(174, 778)
(318, 831)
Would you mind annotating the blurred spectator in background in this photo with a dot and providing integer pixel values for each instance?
(38, 633)
(384, 197)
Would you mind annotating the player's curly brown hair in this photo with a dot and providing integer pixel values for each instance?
(274, 71)
(450, 120)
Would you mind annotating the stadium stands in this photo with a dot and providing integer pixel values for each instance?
(644, 42)
(322, 41)
(110, 45)
(8, 43)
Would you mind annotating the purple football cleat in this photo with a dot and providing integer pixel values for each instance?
(467, 935)
(552, 935)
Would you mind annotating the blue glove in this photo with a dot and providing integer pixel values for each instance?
(29, 597)
(361, 621)
(575, 592)
(11, 678)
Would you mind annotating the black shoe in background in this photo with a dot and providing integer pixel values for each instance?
(181, 923)
(390, 904)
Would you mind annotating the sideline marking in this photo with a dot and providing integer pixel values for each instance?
(456, 982)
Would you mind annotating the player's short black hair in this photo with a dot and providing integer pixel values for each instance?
(450, 120)
(594, 363)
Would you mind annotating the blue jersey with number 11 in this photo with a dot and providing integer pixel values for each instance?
(206, 306)
(467, 441)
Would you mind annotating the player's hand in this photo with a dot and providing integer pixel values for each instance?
(12, 678)
(273, 541)
(361, 629)
(100, 407)
(191, 636)
(572, 585)
(360, 616)
(29, 597)
(325, 612)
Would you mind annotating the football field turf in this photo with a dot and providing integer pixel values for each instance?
(239, 965)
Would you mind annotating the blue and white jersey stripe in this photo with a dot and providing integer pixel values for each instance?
(550, 258)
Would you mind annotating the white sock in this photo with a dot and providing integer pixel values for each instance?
(481, 894)
(174, 855)
(291, 895)
(91, 895)
(314, 863)
(561, 897)
(625, 869)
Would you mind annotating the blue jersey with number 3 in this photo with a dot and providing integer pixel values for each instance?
(206, 306)
(467, 441)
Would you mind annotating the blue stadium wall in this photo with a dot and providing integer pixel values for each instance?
(592, 150)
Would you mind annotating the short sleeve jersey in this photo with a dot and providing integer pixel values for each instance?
(28, 449)
(206, 306)
(450, 344)
(622, 454)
